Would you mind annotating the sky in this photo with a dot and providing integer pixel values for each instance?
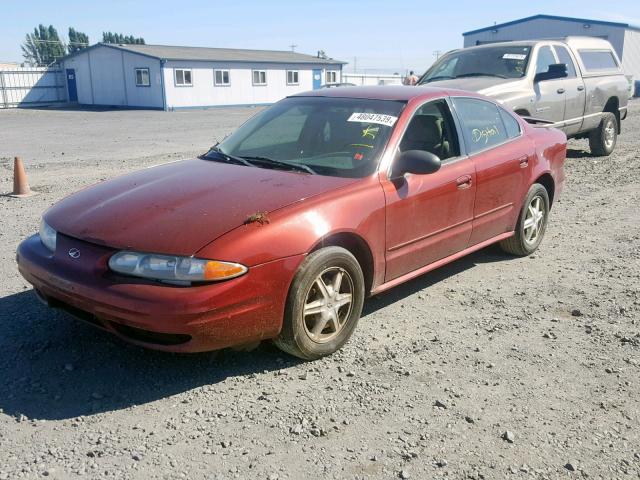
(372, 35)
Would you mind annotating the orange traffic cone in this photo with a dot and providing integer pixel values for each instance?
(20, 183)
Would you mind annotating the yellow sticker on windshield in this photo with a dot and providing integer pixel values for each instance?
(370, 132)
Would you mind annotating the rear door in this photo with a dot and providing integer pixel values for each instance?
(549, 100)
(502, 157)
(574, 95)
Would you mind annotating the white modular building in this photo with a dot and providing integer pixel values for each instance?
(172, 77)
(624, 37)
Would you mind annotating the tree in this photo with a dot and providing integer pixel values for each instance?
(43, 46)
(77, 40)
(110, 37)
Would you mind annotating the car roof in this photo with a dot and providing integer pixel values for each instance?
(381, 92)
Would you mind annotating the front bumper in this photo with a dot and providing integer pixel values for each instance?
(164, 317)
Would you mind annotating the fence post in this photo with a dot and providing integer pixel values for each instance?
(3, 89)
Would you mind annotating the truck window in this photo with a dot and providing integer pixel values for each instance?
(595, 60)
(565, 57)
(481, 122)
(492, 61)
(545, 58)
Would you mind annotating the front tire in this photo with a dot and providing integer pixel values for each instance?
(603, 139)
(324, 304)
(532, 223)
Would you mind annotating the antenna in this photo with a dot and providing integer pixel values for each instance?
(293, 47)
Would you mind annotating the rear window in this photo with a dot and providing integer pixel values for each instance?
(594, 60)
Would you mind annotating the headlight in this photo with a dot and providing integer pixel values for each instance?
(47, 235)
(172, 269)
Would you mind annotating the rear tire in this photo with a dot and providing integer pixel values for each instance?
(324, 304)
(532, 223)
(603, 139)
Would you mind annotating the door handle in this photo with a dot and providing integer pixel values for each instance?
(463, 182)
(560, 90)
(580, 88)
(524, 161)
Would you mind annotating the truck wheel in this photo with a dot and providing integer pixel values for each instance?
(324, 304)
(532, 223)
(603, 139)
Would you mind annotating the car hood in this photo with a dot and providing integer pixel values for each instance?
(475, 84)
(180, 207)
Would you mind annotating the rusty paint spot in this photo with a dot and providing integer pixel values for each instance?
(258, 217)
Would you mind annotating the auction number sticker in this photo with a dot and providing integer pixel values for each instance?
(514, 56)
(379, 118)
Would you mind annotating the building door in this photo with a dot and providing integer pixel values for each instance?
(317, 79)
(71, 85)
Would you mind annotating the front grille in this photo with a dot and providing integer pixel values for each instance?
(133, 333)
(147, 336)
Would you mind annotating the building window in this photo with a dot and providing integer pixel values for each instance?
(142, 77)
(331, 77)
(292, 77)
(259, 77)
(221, 77)
(183, 77)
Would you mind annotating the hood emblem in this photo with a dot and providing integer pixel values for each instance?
(74, 253)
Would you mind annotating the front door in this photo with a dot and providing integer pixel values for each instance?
(71, 85)
(548, 103)
(429, 217)
(502, 158)
(574, 93)
(317, 79)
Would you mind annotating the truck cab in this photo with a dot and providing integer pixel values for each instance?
(575, 84)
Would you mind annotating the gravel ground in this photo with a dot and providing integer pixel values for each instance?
(491, 367)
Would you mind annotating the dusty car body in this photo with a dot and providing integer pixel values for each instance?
(572, 83)
(436, 189)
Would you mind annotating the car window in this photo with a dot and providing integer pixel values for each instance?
(511, 125)
(331, 135)
(285, 129)
(482, 125)
(545, 58)
(594, 60)
(565, 57)
(432, 129)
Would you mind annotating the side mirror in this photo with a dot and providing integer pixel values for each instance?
(418, 162)
(556, 70)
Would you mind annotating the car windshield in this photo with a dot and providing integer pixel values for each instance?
(341, 137)
(498, 61)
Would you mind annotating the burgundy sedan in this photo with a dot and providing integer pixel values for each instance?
(282, 230)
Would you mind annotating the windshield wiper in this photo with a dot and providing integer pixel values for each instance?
(226, 157)
(477, 74)
(439, 77)
(281, 163)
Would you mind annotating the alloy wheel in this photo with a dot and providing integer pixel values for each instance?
(534, 220)
(328, 304)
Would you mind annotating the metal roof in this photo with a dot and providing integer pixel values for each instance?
(170, 52)
(552, 17)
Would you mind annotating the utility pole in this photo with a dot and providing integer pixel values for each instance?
(355, 64)
(293, 47)
(437, 53)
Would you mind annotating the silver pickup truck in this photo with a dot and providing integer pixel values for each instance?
(575, 84)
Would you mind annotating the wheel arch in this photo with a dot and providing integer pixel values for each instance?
(546, 180)
(357, 246)
(613, 106)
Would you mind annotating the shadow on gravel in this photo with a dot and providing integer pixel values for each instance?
(55, 367)
(487, 255)
(578, 153)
